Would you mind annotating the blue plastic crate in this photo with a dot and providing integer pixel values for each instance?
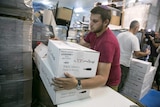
(151, 99)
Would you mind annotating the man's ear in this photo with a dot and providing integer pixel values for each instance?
(106, 22)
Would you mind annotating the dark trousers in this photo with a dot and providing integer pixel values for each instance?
(124, 74)
(157, 75)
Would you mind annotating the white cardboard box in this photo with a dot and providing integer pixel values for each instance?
(140, 77)
(62, 96)
(73, 58)
(134, 93)
(137, 85)
(40, 52)
(140, 66)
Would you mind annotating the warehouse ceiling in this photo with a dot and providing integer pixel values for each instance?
(77, 3)
(74, 4)
(86, 5)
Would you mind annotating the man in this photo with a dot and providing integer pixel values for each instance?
(100, 38)
(129, 44)
(152, 40)
(157, 61)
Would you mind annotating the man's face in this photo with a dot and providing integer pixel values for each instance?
(96, 24)
(137, 28)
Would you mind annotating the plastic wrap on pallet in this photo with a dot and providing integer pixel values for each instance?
(17, 8)
(16, 35)
(20, 4)
(61, 32)
(16, 94)
(19, 13)
(41, 33)
(15, 66)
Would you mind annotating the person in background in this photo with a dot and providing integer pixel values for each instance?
(157, 61)
(102, 39)
(129, 47)
(153, 42)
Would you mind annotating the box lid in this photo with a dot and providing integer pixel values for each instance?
(70, 46)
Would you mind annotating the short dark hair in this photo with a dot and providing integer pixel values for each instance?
(133, 24)
(103, 11)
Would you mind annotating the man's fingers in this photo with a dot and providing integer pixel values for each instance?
(68, 75)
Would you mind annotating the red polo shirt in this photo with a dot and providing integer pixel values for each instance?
(108, 47)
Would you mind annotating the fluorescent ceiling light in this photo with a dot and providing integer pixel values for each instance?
(46, 2)
(78, 10)
(77, 14)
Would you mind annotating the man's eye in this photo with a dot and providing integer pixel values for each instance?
(95, 21)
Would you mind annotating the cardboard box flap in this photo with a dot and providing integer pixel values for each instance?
(140, 61)
(70, 46)
(41, 50)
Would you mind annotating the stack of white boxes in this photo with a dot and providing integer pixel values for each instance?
(68, 57)
(140, 79)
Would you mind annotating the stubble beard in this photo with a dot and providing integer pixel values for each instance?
(99, 29)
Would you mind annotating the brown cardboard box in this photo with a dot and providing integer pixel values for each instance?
(115, 20)
(64, 13)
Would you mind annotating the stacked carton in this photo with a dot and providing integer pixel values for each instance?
(66, 57)
(15, 53)
(17, 8)
(140, 79)
(41, 33)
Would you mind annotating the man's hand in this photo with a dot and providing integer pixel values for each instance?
(55, 38)
(67, 83)
(147, 51)
(151, 38)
